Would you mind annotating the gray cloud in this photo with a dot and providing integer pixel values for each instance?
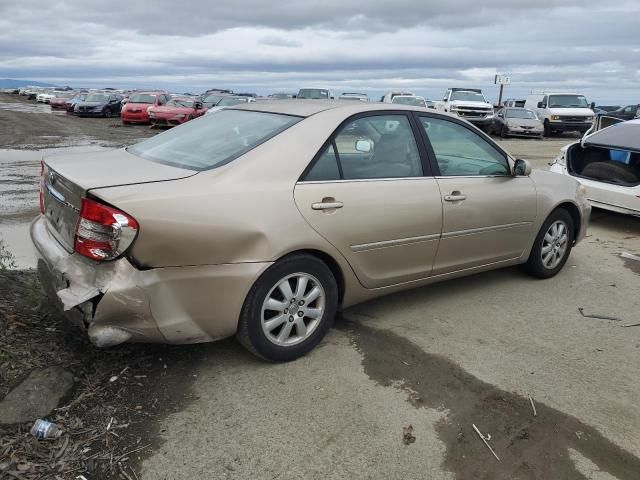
(426, 46)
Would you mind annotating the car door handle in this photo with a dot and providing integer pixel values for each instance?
(327, 204)
(455, 197)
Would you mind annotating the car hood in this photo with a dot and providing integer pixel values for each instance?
(112, 168)
(91, 104)
(139, 105)
(470, 104)
(173, 110)
(586, 112)
(621, 136)
(523, 122)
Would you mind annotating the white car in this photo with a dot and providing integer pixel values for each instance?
(469, 104)
(607, 164)
(414, 100)
(44, 97)
(388, 97)
(229, 102)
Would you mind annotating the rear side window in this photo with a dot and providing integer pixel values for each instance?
(379, 146)
(213, 140)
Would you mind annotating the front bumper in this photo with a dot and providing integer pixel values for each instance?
(570, 126)
(524, 133)
(137, 117)
(119, 303)
(90, 113)
(479, 121)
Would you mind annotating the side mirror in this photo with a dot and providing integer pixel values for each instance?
(592, 105)
(363, 146)
(198, 106)
(522, 168)
(541, 105)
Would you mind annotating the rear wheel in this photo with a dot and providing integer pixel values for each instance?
(552, 246)
(289, 309)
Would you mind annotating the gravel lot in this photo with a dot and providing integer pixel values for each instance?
(439, 358)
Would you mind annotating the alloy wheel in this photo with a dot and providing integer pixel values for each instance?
(293, 309)
(554, 244)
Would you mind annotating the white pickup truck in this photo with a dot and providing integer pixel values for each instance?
(468, 103)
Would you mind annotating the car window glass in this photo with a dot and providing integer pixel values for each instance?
(325, 168)
(460, 151)
(378, 147)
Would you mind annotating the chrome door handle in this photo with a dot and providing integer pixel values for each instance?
(455, 197)
(326, 205)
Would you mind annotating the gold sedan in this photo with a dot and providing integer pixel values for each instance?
(262, 220)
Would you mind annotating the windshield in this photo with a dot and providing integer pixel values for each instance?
(568, 101)
(180, 102)
(213, 140)
(142, 98)
(520, 113)
(228, 101)
(468, 97)
(313, 93)
(96, 97)
(212, 100)
(416, 101)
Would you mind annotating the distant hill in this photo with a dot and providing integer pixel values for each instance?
(11, 83)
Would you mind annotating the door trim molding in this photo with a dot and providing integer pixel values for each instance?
(363, 247)
(472, 231)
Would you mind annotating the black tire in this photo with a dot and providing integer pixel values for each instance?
(611, 171)
(548, 132)
(106, 113)
(250, 332)
(503, 132)
(535, 266)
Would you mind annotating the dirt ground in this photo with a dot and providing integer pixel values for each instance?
(442, 358)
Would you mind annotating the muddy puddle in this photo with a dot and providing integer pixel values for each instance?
(31, 108)
(19, 197)
(528, 447)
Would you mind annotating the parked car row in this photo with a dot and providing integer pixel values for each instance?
(541, 114)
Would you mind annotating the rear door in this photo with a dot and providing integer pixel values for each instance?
(369, 193)
(488, 214)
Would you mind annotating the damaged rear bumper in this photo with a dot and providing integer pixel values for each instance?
(118, 303)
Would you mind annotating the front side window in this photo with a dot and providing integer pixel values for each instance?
(460, 151)
(380, 146)
(212, 140)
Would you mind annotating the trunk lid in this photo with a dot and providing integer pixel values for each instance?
(620, 136)
(67, 179)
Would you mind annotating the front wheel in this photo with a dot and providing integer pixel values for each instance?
(504, 132)
(548, 132)
(289, 309)
(552, 246)
(106, 113)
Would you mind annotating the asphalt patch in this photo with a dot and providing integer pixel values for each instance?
(529, 447)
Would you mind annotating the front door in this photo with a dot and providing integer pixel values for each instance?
(367, 194)
(488, 214)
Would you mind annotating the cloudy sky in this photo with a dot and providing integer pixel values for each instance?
(362, 45)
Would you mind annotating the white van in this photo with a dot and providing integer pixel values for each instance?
(388, 97)
(561, 112)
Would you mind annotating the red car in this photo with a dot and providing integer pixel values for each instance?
(60, 102)
(176, 111)
(135, 110)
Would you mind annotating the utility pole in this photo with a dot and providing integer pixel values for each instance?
(500, 95)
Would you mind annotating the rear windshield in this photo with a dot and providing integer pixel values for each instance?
(213, 140)
(313, 93)
(142, 98)
(415, 101)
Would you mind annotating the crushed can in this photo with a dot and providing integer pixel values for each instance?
(45, 430)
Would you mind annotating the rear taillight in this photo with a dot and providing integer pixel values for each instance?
(103, 232)
(42, 187)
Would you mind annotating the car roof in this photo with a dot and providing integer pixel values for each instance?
(306, 108)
